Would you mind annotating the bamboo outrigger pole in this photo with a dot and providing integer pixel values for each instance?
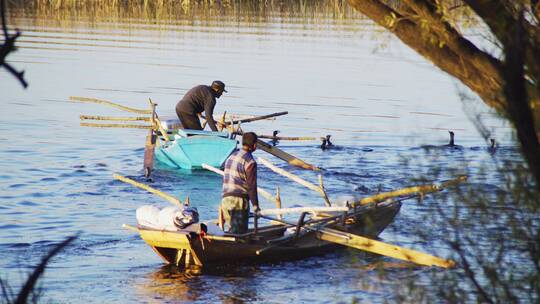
(295, 161)
(128, 126)
(114, 118)
(319, 189)
(108, 103)
(157, 192)
(422, 189)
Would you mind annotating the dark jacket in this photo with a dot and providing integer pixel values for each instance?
(197, 100)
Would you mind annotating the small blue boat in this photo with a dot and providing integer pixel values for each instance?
(189, 149)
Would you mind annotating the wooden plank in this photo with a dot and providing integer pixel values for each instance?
(422, 189)
(295, 178)
(378, 247)
(108, 103)
(98, 125)
(292, 160)
(161, 194)
(113, 118)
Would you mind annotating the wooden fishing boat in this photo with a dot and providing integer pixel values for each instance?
(189, 149)
(175, 147)
(280, 241)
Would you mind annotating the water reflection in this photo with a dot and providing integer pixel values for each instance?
(230, 284)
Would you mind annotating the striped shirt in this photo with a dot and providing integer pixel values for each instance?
(240, 178)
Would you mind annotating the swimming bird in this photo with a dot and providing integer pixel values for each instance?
(493, 148)
(326, 143)
(452, 144)
(274, 138)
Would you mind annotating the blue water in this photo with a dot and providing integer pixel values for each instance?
(380, 105)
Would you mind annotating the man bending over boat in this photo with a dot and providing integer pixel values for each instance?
(198, 99)
(239, 187)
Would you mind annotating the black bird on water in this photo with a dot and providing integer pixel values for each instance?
(274, 138)
(493, 148)
(326, 143)
(451, 144)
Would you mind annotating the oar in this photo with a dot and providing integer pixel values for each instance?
(161, 194)
(108, 103)
(422, 189)
(292, 160)
(373, 246)
(319, 189)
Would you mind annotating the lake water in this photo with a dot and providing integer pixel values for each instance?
(335, 74)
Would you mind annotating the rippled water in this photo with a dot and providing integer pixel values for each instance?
(379, 100)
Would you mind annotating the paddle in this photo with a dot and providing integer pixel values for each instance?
(292, 160)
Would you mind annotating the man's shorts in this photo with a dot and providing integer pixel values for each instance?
(235, 212)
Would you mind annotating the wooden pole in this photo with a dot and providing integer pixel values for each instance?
(293, 138)
(422, 189)
(157, 192)
(278, 201)
(295, 178)
(90, 117)
(258, 118)
(292, 160)
(98, 125)
(313, 210)
(373, 246)
(108, 103)
(157, 123)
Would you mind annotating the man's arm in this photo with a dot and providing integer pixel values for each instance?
(251, 179)
(209, 111)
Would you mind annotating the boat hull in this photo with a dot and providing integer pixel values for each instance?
(186, 249)
(190, 152)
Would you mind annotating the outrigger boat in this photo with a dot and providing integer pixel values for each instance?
(355, 224)
(175, 147)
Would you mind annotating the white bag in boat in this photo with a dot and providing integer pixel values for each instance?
(147, 215)
(166, 217)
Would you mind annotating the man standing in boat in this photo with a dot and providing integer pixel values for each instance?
(198, 99)
(239, 186)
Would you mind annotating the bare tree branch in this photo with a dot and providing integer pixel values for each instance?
(9, 46)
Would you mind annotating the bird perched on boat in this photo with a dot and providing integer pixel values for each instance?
(201, 98)
(451, 144)
(326, 143)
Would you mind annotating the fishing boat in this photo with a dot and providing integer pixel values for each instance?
(272, 236)
(189, 149)
(204, 244)
(175, 147)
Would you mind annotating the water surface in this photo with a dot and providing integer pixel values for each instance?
(335, 73)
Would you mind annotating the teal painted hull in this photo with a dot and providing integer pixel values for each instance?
(191, 152)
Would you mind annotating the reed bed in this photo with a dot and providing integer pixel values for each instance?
(157, 11)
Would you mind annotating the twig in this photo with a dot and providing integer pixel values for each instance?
(9, 46)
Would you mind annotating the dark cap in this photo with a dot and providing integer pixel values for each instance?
(218, 85)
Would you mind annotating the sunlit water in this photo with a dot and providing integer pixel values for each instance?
(378, 99)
